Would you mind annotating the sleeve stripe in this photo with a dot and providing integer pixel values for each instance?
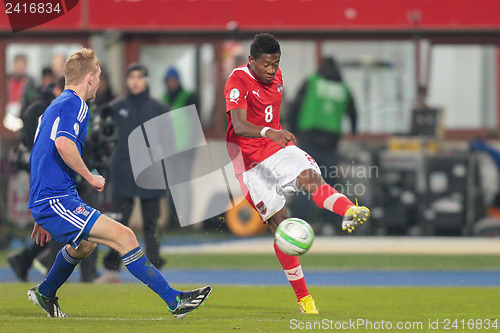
(83, 111)
(66, 133)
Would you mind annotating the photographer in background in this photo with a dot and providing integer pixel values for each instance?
(130, 111)
(96, 154)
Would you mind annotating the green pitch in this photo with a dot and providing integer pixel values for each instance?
(337, 261)
(325, 261)
(134, 308)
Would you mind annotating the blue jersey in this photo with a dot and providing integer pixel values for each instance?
(51, 177)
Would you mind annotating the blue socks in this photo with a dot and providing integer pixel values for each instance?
(135, 261)
(140, 267)
(61, 270)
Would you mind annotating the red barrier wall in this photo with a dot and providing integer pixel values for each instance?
(282, 15)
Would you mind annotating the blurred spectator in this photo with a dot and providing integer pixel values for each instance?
(96, 154)
(102, 131)
(480, 145)
(421, 97)
(176, 96)
(104, 92)
(36, 108)
(20, 90)
(47, 78)
(18, 82)
(315, 117)
(489, 225)
(131, 111)
(57, 64)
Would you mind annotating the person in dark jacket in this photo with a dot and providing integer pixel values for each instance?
(315, 117)
(36, 108)
(130, 111)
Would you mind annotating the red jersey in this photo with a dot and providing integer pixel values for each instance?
(262, 102)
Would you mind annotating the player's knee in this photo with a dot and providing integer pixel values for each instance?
(127, 237)
(315, 178)
(83, 251)
(89, 248)
(309, 181)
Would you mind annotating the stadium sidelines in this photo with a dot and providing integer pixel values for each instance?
(332, 245)
(351, 245)
(476, 278)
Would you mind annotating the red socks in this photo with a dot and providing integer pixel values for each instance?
(327, 197)
(293, 271)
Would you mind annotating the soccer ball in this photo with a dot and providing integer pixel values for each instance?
(294, 236)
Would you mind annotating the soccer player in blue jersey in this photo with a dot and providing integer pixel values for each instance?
(61, 214)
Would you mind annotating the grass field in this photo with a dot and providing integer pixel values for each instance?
(133, 308)
(339, 261)
(326, 261)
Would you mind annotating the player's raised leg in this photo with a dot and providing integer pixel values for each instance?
(121, 238)
(293, 270)
(326, 197)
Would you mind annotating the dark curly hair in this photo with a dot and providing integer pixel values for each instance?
(264, 43)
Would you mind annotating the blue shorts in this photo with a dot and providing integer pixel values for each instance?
(67, 219)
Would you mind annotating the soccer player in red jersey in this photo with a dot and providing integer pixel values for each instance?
(271, 164)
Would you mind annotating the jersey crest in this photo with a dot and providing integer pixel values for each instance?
(234, 95)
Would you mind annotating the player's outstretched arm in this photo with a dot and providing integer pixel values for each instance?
(243, 127)
(71, 156)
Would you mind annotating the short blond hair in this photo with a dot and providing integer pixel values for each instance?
(79, 64)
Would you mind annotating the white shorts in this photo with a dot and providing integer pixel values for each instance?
(268, 181)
